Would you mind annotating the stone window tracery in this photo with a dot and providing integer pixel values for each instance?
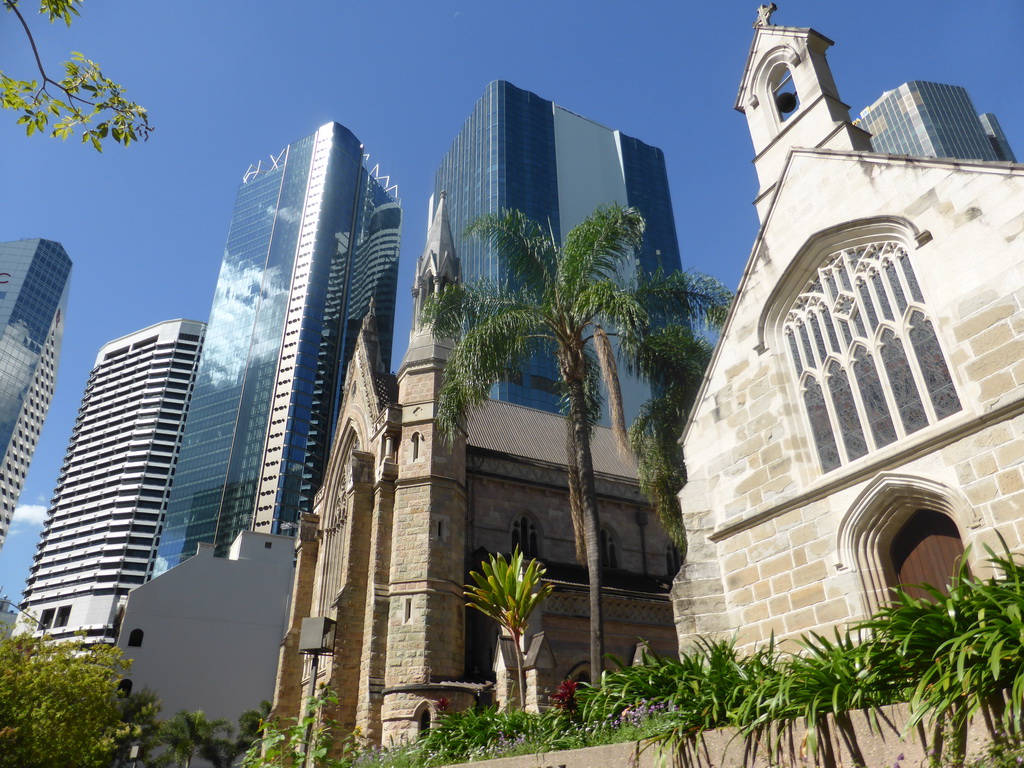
(866, 355)
(524, 536)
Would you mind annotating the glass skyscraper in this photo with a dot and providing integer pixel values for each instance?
(933, 120)
(34, 280)
(314, 236)
(520, 151)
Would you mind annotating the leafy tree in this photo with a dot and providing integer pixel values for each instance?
(224, 751)
(83, 98)
(58, 703)
(508, 593)
(139, 714)
(559, 301)
(189, 734)
(306, 741)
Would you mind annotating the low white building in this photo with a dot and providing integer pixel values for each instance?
(205, 635)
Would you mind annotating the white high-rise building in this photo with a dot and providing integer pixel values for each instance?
(34, 278)
(105, 517)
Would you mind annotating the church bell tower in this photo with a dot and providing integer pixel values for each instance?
(790, 100)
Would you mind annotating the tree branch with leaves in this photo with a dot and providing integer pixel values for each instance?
(84, 98)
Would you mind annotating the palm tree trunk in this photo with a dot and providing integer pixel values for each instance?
(592, 525)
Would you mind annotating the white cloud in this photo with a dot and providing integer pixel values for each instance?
(27, 516)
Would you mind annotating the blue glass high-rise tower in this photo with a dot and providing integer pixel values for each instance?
(313, 238)
(520, 151)
(933, 120)
(34, 280)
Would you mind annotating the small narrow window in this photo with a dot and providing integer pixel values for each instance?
(673, 562)
(609, 553)
(408, 610)
(425, 720)
(135, 638)
(415, 445)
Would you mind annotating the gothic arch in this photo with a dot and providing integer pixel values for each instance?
(424, 716)
(775, 66)
(850, 323)
(525, 533)
(818, 246)
(878, 515)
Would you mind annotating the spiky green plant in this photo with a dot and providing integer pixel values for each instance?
(508, 592)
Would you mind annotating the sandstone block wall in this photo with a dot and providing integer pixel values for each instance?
(774, 543)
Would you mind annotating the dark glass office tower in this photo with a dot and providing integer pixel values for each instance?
(313, 238)
(34, 280)
(933, 120)
(520, 151)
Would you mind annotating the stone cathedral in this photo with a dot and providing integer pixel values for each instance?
(402, 517)
(862, 421)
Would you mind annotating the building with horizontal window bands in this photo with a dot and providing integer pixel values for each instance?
(520, 151)
(101, 531)
(861, 425)
(34, 280)
(933, 120)
(314, 239)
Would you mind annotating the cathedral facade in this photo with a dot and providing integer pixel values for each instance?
(403, 516)
(862, 422)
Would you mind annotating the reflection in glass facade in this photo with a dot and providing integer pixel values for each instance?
(34, 279)
(313, 238)
(520, 151)
(933, 120)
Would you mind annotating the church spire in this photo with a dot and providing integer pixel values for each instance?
(438, 266)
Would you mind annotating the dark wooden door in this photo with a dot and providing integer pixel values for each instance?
(927, 550)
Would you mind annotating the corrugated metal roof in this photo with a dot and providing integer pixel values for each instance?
(539, 435)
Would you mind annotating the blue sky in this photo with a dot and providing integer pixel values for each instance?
(228, 83)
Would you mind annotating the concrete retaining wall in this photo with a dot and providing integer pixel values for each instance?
(883, 748)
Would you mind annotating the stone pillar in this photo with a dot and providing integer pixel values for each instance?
(288, 691)
(371, 679)
(349, 604)
(426, 616)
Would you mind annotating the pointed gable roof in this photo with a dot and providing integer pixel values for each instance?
(438, 258)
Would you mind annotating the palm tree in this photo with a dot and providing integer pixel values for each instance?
(507, 592)
(558, 301)
(188, 734)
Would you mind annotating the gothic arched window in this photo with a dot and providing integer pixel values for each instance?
(524, 536)
(609, 550)
(866, 354)
(673, 560)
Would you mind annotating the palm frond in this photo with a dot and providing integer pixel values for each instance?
(690, 298)
(502, 337)
(610, 377)
(599, 246)
(527, 250)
